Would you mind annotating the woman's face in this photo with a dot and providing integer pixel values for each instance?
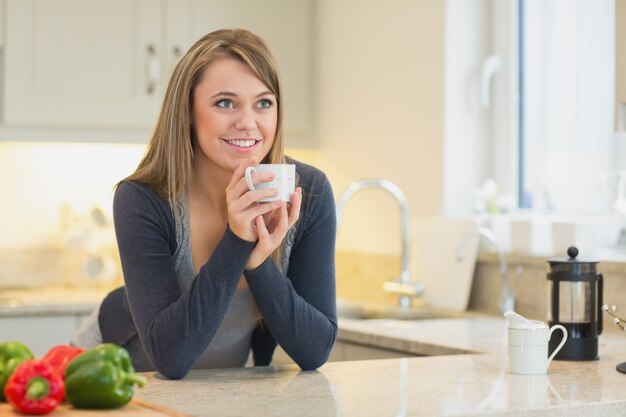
(235, 115)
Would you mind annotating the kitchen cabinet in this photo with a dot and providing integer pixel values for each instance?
(81, 64)
(103, 66)
(40, 333)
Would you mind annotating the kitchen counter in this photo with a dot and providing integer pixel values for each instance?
(460, 384)
(427, 337)
(463, 372)
(47, 301)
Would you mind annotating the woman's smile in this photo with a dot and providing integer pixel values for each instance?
(243, 145)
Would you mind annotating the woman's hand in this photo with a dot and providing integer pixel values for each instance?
(243, 204)
(272, 229)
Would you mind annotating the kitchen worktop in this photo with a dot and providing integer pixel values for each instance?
(460, 384)
(463, 372)
(51, 300)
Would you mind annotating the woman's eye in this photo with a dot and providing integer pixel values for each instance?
(265, 104)
(225, 103)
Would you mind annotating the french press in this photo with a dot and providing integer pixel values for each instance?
(575, 301)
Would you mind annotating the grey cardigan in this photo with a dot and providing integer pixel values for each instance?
(166, 329)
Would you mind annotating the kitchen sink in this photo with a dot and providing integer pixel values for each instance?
(368, 311)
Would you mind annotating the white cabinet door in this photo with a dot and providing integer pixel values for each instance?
(82, 63)
(104, 65)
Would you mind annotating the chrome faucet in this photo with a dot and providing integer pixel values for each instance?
(507, 300)
(402, 285)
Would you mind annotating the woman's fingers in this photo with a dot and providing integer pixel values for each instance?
(283, 224)
(241, 187)
(256, 196)
(265, 208)
(266, 244)
(271, 230)
(242, 222)
(285, 218)
(262, 229)
(259, 254)
(294, 208)
(245, 205)
(238, 175)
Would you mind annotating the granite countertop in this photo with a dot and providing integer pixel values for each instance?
(460, 384)
(463, 372)
(427, 337)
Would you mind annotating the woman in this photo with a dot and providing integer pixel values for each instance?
(210, 272)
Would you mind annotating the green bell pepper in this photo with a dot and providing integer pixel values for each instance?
(11, 354)
(102, 377)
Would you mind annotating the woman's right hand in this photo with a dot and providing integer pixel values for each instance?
(243, 204)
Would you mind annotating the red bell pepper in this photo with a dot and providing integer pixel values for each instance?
(34, 388)
(60, 356)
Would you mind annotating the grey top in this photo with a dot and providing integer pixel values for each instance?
(230, 346)
(168, 329)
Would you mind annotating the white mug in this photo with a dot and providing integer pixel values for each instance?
(528, 348)
(284, 180)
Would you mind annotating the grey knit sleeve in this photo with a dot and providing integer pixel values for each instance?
(299, 308)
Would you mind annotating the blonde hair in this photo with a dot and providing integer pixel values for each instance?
(167, 165)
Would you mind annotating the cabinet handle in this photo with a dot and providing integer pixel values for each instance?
(177, 53)
(152, 69)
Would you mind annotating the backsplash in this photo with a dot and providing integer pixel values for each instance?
(30, 268)
(54, 267)
(529, 285)
(37, 179)
(360, 276)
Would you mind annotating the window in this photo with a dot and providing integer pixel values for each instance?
(566, 70)
(530, 104)
(530, 90)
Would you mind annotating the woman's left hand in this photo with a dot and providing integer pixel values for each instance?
(273, 228)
